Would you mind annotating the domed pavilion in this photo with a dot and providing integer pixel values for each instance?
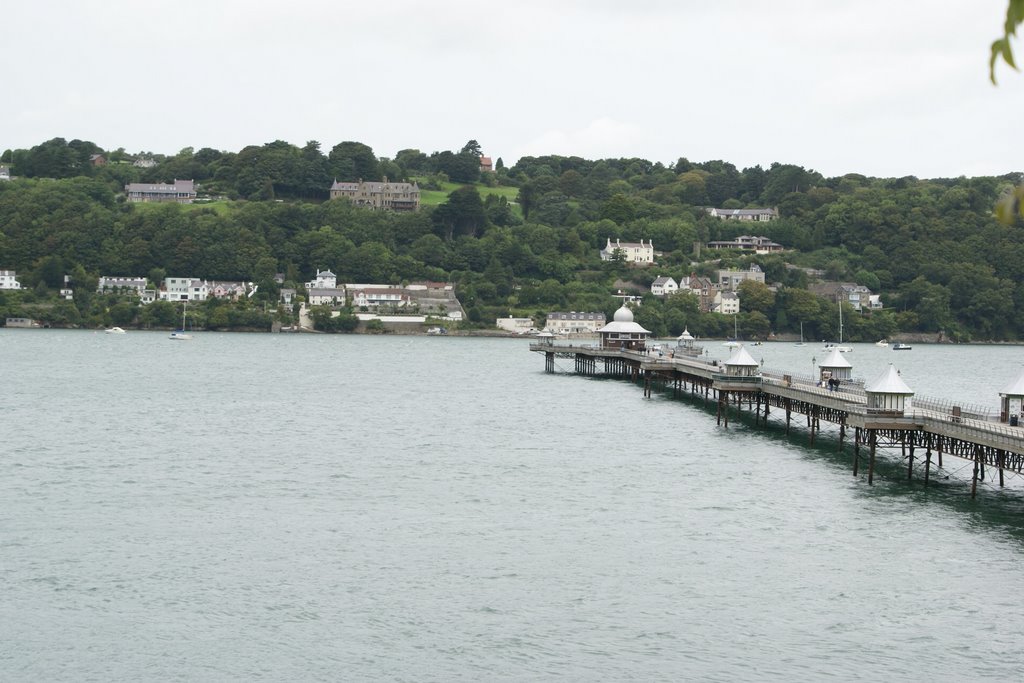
(623, 333)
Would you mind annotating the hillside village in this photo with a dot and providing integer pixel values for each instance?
(251, 240)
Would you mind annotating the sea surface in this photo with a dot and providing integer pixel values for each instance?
(326, 508)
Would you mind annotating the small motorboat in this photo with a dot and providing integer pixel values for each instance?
(899, 346)
(882, 343)
(114, 330)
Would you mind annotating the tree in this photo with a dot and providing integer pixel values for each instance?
(353, 161)
(471, 147)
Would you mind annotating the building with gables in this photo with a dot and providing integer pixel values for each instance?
(382, 196)
(744, 214)
(664, 286)
(632, 252)
(574, 322)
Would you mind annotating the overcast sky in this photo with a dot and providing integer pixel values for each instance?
(879, 87)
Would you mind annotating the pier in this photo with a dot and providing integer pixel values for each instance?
(882, 414)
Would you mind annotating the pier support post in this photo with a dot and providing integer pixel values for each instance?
(1001, 463)
(856, 449)
(842, 433)
(872, 438)
(927, 464)
(974, 478)
(910, 460)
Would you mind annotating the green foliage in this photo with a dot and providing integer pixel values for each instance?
(1001, 48)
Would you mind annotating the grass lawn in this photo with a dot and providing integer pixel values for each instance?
(436, 197)
(222, 207)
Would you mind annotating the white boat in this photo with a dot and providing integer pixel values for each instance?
(882, 343)
(115, 330)
(829, 345)
(732, 343)
(181, 334)
(899, 346)
(801, 342)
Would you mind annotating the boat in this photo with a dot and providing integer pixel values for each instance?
(732, 343)
(114, 330)
(882, 343)
(801, 342)
(181, 334)
(829, 345)
(900, 346)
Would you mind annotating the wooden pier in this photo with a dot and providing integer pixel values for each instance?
(927, 432)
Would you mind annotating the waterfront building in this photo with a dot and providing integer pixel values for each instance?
(888, 393)
(574, 322)
(623, 332)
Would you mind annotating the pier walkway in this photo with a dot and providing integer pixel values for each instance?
(936, 426)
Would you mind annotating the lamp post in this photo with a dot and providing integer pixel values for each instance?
(814, 362)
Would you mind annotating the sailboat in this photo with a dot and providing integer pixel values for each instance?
(735, 335)
(842, 349)
(181, 334)
(801, 342)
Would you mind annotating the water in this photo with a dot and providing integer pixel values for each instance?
(291, 507)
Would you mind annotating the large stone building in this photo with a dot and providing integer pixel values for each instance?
(383, 196)
(574, 322)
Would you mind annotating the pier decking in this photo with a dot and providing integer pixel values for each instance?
(935, 426)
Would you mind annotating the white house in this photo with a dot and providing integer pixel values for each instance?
(517, 325)
(325, 279)
(744, 214)
(727, 303)
(5, 172)
(9, 280)
(109, 283)
(574, 322)
(325, 296)
(183, 289)
(632, 252)
(374, 297)
(664, 286)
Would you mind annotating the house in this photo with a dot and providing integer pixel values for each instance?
(857, 296)
(375, 297)
(228, 290)
(5, 172)
(485, 165)
(67, 293)
(517, 325)
(632, 252)
(731, 279)
(97, 160)
(179, 192)
(144, 162)
(574, 323)
(383, 196)
(287, 296)
(110, 284)
(664, 286)
(754, 243)
(325, 279)
(726, 303)
(183, 289)
(702, 288)
(9, 280)
(326, 296)
(744, 214)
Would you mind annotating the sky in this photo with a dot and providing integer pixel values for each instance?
(884, 88)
